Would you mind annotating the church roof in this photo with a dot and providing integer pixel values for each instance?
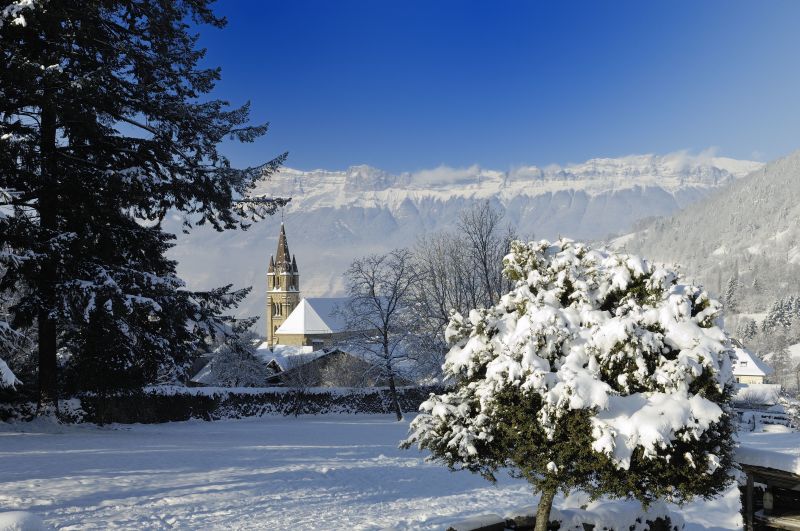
(314, 316)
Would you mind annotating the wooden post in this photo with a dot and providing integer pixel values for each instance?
(748, 503)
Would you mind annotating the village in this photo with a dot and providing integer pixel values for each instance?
(357, 265)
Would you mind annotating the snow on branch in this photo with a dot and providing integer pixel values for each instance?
(14, 12)
(604, 343)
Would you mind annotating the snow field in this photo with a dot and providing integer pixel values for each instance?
(322, 472)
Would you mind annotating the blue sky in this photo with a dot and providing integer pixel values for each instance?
(413, 85)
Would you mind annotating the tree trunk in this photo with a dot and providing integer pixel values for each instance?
(48, 386)
(392, 388)
(543, 510)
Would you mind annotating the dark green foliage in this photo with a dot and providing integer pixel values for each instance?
(104, 130)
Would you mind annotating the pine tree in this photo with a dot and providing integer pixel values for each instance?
(104, 130)
(598, 372)
(747, 329)
(774, 316)
(731, 296)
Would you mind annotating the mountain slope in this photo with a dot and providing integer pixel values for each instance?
(336, 216)
(750, 227)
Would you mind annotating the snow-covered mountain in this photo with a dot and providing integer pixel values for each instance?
(750, 229)
(336, 216)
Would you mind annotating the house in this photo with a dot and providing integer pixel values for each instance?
(748, 368)
(303, 366)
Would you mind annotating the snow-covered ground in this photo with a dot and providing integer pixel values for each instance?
(325, 472)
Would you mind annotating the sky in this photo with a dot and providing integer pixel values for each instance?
(410, 85)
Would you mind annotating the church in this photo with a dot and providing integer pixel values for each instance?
(293, 320)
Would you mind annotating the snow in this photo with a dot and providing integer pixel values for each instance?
(14, 12)
(7, 378)
(748, 364)
(772, 449)
(757, 393)
(336, 216)
(313, 316)
(326, 472)
(287, 356)
(21, 521)
(794, 352)
(534, 342)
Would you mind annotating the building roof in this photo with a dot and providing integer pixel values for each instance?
(314, 316)
(748, 364)
(287, 356)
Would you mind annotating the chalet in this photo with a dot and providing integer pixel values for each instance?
(748, 368)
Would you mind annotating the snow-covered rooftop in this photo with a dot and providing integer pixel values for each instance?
(748, 364)
(314, 316)
(780, 451)
(287, 356)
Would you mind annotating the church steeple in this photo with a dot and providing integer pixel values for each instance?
(283, 286)
(283, 260)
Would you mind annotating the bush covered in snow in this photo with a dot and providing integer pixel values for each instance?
(599, 371)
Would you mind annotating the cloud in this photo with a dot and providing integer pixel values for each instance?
(443, 175)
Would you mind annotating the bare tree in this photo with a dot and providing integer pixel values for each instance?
(487, 244)
(378, 314)
(457, 272)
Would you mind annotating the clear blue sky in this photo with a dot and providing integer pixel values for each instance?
(415, 84)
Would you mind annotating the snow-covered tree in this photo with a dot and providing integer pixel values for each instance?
(235, 365)
(105, 127)
(731, 296)
(7, 377)
(598, 371)
(747, 329)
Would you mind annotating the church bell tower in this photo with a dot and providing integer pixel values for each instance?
(283, 287)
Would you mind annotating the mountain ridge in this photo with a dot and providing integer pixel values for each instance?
(336, 216)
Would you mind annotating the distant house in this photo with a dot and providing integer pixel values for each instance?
(748, 368)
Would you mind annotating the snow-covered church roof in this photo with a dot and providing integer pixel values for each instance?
(314, 316)
(748, 364)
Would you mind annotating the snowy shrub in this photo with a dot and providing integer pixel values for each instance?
(598, 371)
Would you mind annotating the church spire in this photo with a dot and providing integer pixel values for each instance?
(283, 260)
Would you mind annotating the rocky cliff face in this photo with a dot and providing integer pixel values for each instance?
(336, 216)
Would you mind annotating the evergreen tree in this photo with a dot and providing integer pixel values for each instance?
(731, 296)
(774, 317)
(747, 330)
(598, 372)
(104, 130)
(756, 285)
